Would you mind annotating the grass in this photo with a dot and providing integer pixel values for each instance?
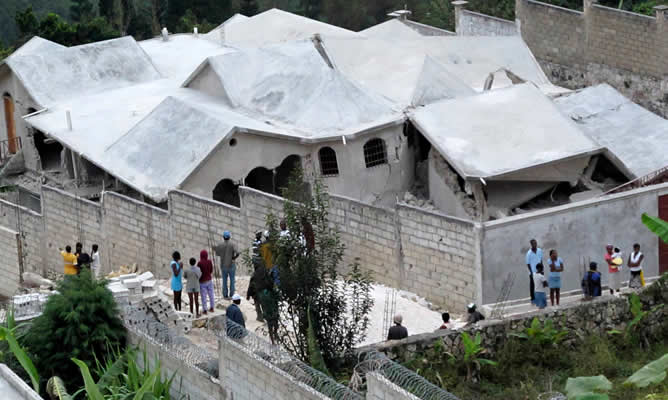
(526, 370)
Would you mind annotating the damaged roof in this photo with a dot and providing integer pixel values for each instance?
(637, 137)
(501, 131)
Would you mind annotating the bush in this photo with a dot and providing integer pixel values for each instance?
(81, 321)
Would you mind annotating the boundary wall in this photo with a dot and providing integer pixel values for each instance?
(629, 51)
(433, 255)
(430, 254)
(10, 262)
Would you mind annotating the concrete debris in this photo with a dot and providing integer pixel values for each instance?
(451, 180)
(425, 204)
(33, 280)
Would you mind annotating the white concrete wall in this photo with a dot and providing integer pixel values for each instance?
(579, 232)
(378, 185)
(379, 388)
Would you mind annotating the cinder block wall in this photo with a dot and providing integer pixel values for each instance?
(379, 388)
(31, 227)
(9, 262)
(246, 376)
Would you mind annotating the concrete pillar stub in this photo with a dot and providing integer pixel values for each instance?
(459, 6)
(661, 15)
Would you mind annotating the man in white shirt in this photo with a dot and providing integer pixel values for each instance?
(95, 262)
(533, 258)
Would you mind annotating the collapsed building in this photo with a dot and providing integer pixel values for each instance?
(468, 125)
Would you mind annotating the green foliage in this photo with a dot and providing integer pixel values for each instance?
(189, 21)
(545, 335)
(651, 373)
(314, 354)
(81, 10)
(309, 267)
(588, 388)
(80, 321)
(7, 334)
(249, 7)
(647, 7)
(92, 391)
(472, 352)
(656, 225)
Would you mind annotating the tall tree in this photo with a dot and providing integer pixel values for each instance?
(81, 10)
(26, 22)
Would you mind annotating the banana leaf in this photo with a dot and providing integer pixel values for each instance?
(656, 225)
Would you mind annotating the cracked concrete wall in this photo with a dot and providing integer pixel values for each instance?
(444, 189)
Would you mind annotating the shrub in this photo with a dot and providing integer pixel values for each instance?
(81, 321)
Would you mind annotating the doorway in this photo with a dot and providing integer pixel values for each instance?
(9, 122)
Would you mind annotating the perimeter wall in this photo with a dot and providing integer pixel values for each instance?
(582, 48)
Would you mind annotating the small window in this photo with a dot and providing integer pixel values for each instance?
(328, 164)
(375, 153)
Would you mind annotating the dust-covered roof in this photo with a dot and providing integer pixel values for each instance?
(391, 30)
(62, 73)
(634, 135)
(501, 131)
(292, 85)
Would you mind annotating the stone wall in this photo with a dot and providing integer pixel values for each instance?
(582, 48)
(379, 388)
(9, 262)
(194, 383)
(595, 317)
(246, 376)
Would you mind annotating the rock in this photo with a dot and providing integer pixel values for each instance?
(200, 323)
(33, 280)
(408, 197)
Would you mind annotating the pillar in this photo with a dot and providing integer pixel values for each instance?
(460, 6)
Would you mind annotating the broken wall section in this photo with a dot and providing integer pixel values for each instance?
(31, 228)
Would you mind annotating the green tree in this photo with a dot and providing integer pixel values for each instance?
(80, 321)
(81, 10)
(54, 28)
(311, 287)
(26, 22)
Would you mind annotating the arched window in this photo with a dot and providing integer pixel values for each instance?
(227, 191)
(328, 164)
(375, 153)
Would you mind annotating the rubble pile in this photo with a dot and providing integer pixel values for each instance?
(144, 308)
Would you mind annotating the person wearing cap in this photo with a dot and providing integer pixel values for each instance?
(474, 315)
(234, 313)
(614, 276)
(227, 253)
(397, 331)
(534, 257)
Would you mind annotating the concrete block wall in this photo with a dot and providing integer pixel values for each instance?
(68, 220)
(31, 227)
(192, 382)
(136, 233)
(9, 262)
(246, 376)
(553, 33)
(370, 234)
(440, 257)
(379, 388)
(197, 222)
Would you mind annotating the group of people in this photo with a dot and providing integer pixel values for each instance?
(75, 262)
(398, 331)
(591, 282)
(199, 276)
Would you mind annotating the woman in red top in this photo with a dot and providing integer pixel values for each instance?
(205, 282)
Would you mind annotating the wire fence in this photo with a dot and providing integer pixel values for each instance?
(399, 375)
(285, 361)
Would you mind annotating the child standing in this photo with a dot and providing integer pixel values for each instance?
(554, 278)
(540, 283)
(192, 285)
(177, 281)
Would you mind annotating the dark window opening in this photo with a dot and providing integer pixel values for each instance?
(284, 171)
(262, 179)
(375, 153)
(328, 163)
(607, 172)
(49, 151)
(226, 191)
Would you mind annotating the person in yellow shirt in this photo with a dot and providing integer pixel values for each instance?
(70, 261)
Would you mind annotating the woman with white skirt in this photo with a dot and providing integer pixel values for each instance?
(635, 266)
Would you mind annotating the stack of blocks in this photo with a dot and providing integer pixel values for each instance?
(143, 308)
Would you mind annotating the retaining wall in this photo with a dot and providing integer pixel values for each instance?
(379, 388)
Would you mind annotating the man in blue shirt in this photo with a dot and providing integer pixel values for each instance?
(233, 312)
(533, 258)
